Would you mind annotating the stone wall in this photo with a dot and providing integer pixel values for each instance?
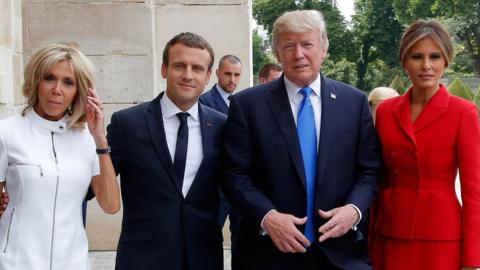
(11, 67)
(124, 39)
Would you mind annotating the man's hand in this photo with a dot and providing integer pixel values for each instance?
(283, 232)
(3, 202)
(341, 221)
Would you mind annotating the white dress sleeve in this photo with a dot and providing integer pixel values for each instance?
(95, 166)
(3, 160)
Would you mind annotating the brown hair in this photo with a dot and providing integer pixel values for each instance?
(232, 59)
(426, 29)
(190, 40)
(265, 70)
(45, 60)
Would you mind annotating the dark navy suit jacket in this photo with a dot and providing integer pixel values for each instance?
(264, 169)
(160, 228)
(214, 100)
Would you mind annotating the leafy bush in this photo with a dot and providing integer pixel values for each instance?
(398, 85)
(459, 89)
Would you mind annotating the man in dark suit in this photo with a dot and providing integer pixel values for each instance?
(302, 161)
(167, 153)
(229, 72)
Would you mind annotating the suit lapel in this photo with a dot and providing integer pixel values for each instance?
(327, 126)
(401, 112)
(435, 108)
(280, 106)
(157, 132)
(217, 98)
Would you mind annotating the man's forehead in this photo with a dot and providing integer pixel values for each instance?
(179, 47)
(227, 65)
(290, 36)
(189, 54)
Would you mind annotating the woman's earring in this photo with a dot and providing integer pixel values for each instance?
(70, 109)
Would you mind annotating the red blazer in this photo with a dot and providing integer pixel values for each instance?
(417, 198)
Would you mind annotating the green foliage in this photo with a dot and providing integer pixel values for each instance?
(466, 32)
(408, 11)
(260, 57)
(377, 32)
(462, 65)
(476, 99)
(459, 89)
(398, 85)
(267, 11)
(342, 70)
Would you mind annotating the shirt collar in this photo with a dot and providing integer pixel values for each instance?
(59, 126)
(292, 88)
(169, 109)
(222, 92)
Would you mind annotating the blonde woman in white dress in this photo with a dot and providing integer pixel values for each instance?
(50, 155)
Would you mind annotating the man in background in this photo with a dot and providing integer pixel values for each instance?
(228, 73)
(269, 72)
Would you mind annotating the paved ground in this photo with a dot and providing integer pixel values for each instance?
(105, 260)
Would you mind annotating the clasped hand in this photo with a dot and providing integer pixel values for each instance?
(282, 228)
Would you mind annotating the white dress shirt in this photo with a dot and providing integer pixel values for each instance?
(295, 98)
(224, 94)
(195, 148)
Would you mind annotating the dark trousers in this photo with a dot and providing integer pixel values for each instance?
(315, 259)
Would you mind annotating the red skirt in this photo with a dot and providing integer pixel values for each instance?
(401, 254)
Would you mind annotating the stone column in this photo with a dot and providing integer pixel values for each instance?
(11, 68)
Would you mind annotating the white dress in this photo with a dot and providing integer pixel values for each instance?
(47, 168)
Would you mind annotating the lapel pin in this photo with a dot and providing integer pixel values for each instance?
(333, 96)
(209, 124)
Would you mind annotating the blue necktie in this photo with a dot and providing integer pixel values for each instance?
(181, 149)
(308, 143)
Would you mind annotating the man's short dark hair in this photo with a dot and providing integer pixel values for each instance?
(190, 40)
(231, 58)
(265, 70)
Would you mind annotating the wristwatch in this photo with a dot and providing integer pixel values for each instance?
(103, 151)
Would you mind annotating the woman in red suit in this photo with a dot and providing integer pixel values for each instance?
(427, 135)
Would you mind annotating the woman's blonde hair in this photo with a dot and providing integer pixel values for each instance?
(45, 60)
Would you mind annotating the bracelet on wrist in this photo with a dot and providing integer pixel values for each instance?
(103, 151)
